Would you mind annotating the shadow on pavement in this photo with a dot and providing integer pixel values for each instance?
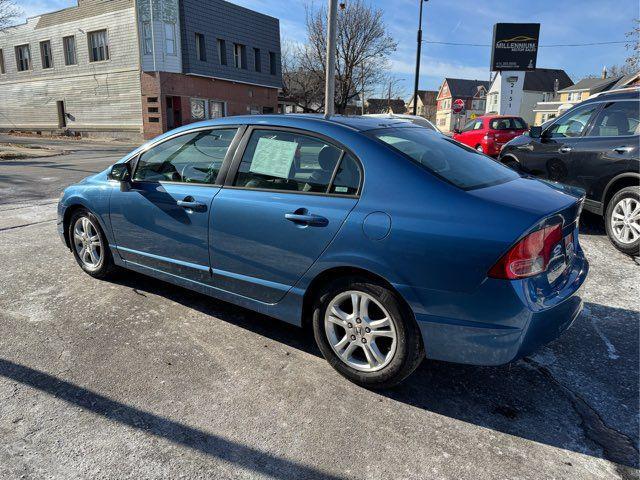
(524, 399)
(521, 399)
(210, 444)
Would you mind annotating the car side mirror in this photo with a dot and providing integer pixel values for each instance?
(535, 132)
(121, 172)
(457, 130)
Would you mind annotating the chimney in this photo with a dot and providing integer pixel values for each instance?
(604, 72)
(556, 87)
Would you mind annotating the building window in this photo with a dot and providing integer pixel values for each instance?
(222, 51)
(23, 58)
(201, 50)
(257, 61)
(216, 109)
(2, 71)
(69, 46)
(272, 63)
(45, 54)
(170, 38)
(147, 45)
(239, 55)
(98, 46)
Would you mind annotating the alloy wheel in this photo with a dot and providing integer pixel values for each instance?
(87, 243)
(625, 220)
(360, 331)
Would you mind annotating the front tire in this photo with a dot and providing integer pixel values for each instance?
(622, 220)
(366, 332)
(89, 244)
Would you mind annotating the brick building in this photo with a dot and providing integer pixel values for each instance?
(137, 67)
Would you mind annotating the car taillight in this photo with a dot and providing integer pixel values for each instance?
(530, 256)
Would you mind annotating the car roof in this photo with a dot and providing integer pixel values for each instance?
(626, 94)
(305, 120)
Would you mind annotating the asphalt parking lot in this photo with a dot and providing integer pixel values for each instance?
(135, 378)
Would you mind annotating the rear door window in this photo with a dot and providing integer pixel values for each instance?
(448, 159)
(282, 160)
(616, 119)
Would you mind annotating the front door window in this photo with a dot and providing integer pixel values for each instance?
(574, 123)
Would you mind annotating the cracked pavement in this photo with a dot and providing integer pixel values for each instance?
(135, 378)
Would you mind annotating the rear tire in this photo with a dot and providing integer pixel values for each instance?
(479, 148)
(89, 244)
(380, 342)
(622, 220)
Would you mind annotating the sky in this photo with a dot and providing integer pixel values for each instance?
(467, 21)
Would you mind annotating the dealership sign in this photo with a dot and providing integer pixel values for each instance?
(515, 46)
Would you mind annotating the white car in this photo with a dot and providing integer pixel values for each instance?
(415, 119)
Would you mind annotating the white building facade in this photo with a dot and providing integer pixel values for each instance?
(517, 93)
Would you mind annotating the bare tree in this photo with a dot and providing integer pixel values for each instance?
(363, 49)
(302, 87)
(8, 12)
(633, 62)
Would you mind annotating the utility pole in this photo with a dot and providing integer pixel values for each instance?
(330, 80)
(415, 85)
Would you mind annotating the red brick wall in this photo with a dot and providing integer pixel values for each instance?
(238, 97)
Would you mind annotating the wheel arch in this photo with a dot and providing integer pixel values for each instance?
(334, 273)
(616, 184)
(73, 206)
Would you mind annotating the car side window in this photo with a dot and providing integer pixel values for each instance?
(347, 179)
(194, 157)
(477, 125)
(574, 123)
(616, 119)
(468, 126)
(278, 160)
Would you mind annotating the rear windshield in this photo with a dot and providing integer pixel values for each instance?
(513, 123)
(448, 159)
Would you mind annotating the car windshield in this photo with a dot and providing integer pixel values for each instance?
(460, 165)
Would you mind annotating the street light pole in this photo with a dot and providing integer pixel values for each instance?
(330, 80)
(415, 85)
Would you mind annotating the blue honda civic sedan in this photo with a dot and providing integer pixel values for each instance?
(390, 241)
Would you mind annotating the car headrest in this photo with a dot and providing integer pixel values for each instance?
(328, 157)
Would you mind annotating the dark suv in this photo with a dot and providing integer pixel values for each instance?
(594, 146)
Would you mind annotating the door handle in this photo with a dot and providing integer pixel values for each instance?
(622, 150)
(564, 149)
(305, 218)
(525, 147)
(189, 203)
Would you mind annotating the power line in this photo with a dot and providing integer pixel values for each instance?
(541, 46)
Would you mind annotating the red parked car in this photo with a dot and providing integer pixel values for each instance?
(489, 133)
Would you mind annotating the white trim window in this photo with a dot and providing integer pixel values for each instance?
(2, 70)
(45, 54)
(23, 58)
(147, 38)
(170, 38)
(98, 46)
(216, 109)
(69, 47)
(237, 55)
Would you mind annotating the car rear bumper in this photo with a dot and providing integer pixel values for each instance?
(503, 320)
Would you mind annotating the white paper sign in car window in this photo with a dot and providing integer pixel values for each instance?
(273, 157)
